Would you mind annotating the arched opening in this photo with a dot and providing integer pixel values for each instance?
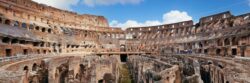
(6, 40)
(123, 57)
(85, 35)
(24, 25)
(14, 41)
(16, 24)
(199, 50)
(218, 51)
(43, 72)
(8, 52)
(220, 66)
(206, 51)
(34, 67)
(234, 51)
(26, 77)
(219, 43)
(37, 28)
(38, 51)
(7, 22)
(44, 51)
(35, 43)
(25, 51)
(43, 29)
(31, 27)
(22, 42)
(63, 73)
(226, 42)
(25, 68)
(49, 30)
(234, 41)
(205, 75)
(200, 45)
(100, 81)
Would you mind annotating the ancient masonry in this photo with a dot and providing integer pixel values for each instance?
(42, 44)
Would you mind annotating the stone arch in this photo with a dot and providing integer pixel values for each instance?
(14, 41)
(26, 68)
(16, 24)
(37, 28)
(62, 73)
(82, 72)
(34, 67)
(25, 77)
(235, 41)
(24, 25)
(43, 29)
(219, 42)
(218, 51)
(31, 26)
(200, 45)
(49, 30)
(226, 41)
(7, 22)
(43, 72)
(6, 40)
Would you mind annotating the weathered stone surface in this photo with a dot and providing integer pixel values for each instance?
(42, 44)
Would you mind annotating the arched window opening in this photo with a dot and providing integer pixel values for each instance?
(31, 27)
(16, 24)
(234, 51)
(49, 30)
(25, 68)
(22, 42)
(43, 29)
(8, 52)
(6, 40)
(25, 51)
(38, 51)
(24, 25)
(7, 22)
(200, 45)
(35, 44)
(37, 28)
(226, 41)
(234, 41)
(219, 43)
(14, 41)
(34, 67)
(218, 51)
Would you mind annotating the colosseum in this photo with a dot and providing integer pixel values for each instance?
(43, 44)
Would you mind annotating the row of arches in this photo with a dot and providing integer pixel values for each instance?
(228, 41)
(41, 73)
(25, 25)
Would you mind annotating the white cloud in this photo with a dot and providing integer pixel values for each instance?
(61, 4)
(133, 23)
(167, 18)
(175, 16)
(110, 2)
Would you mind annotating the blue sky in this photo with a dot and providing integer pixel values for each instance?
(128, 13)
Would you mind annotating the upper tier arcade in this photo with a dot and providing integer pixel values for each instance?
(219, 34)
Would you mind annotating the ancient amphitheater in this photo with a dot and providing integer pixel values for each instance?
(42, 44)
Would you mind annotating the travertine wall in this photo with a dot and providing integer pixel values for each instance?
(221, 34)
